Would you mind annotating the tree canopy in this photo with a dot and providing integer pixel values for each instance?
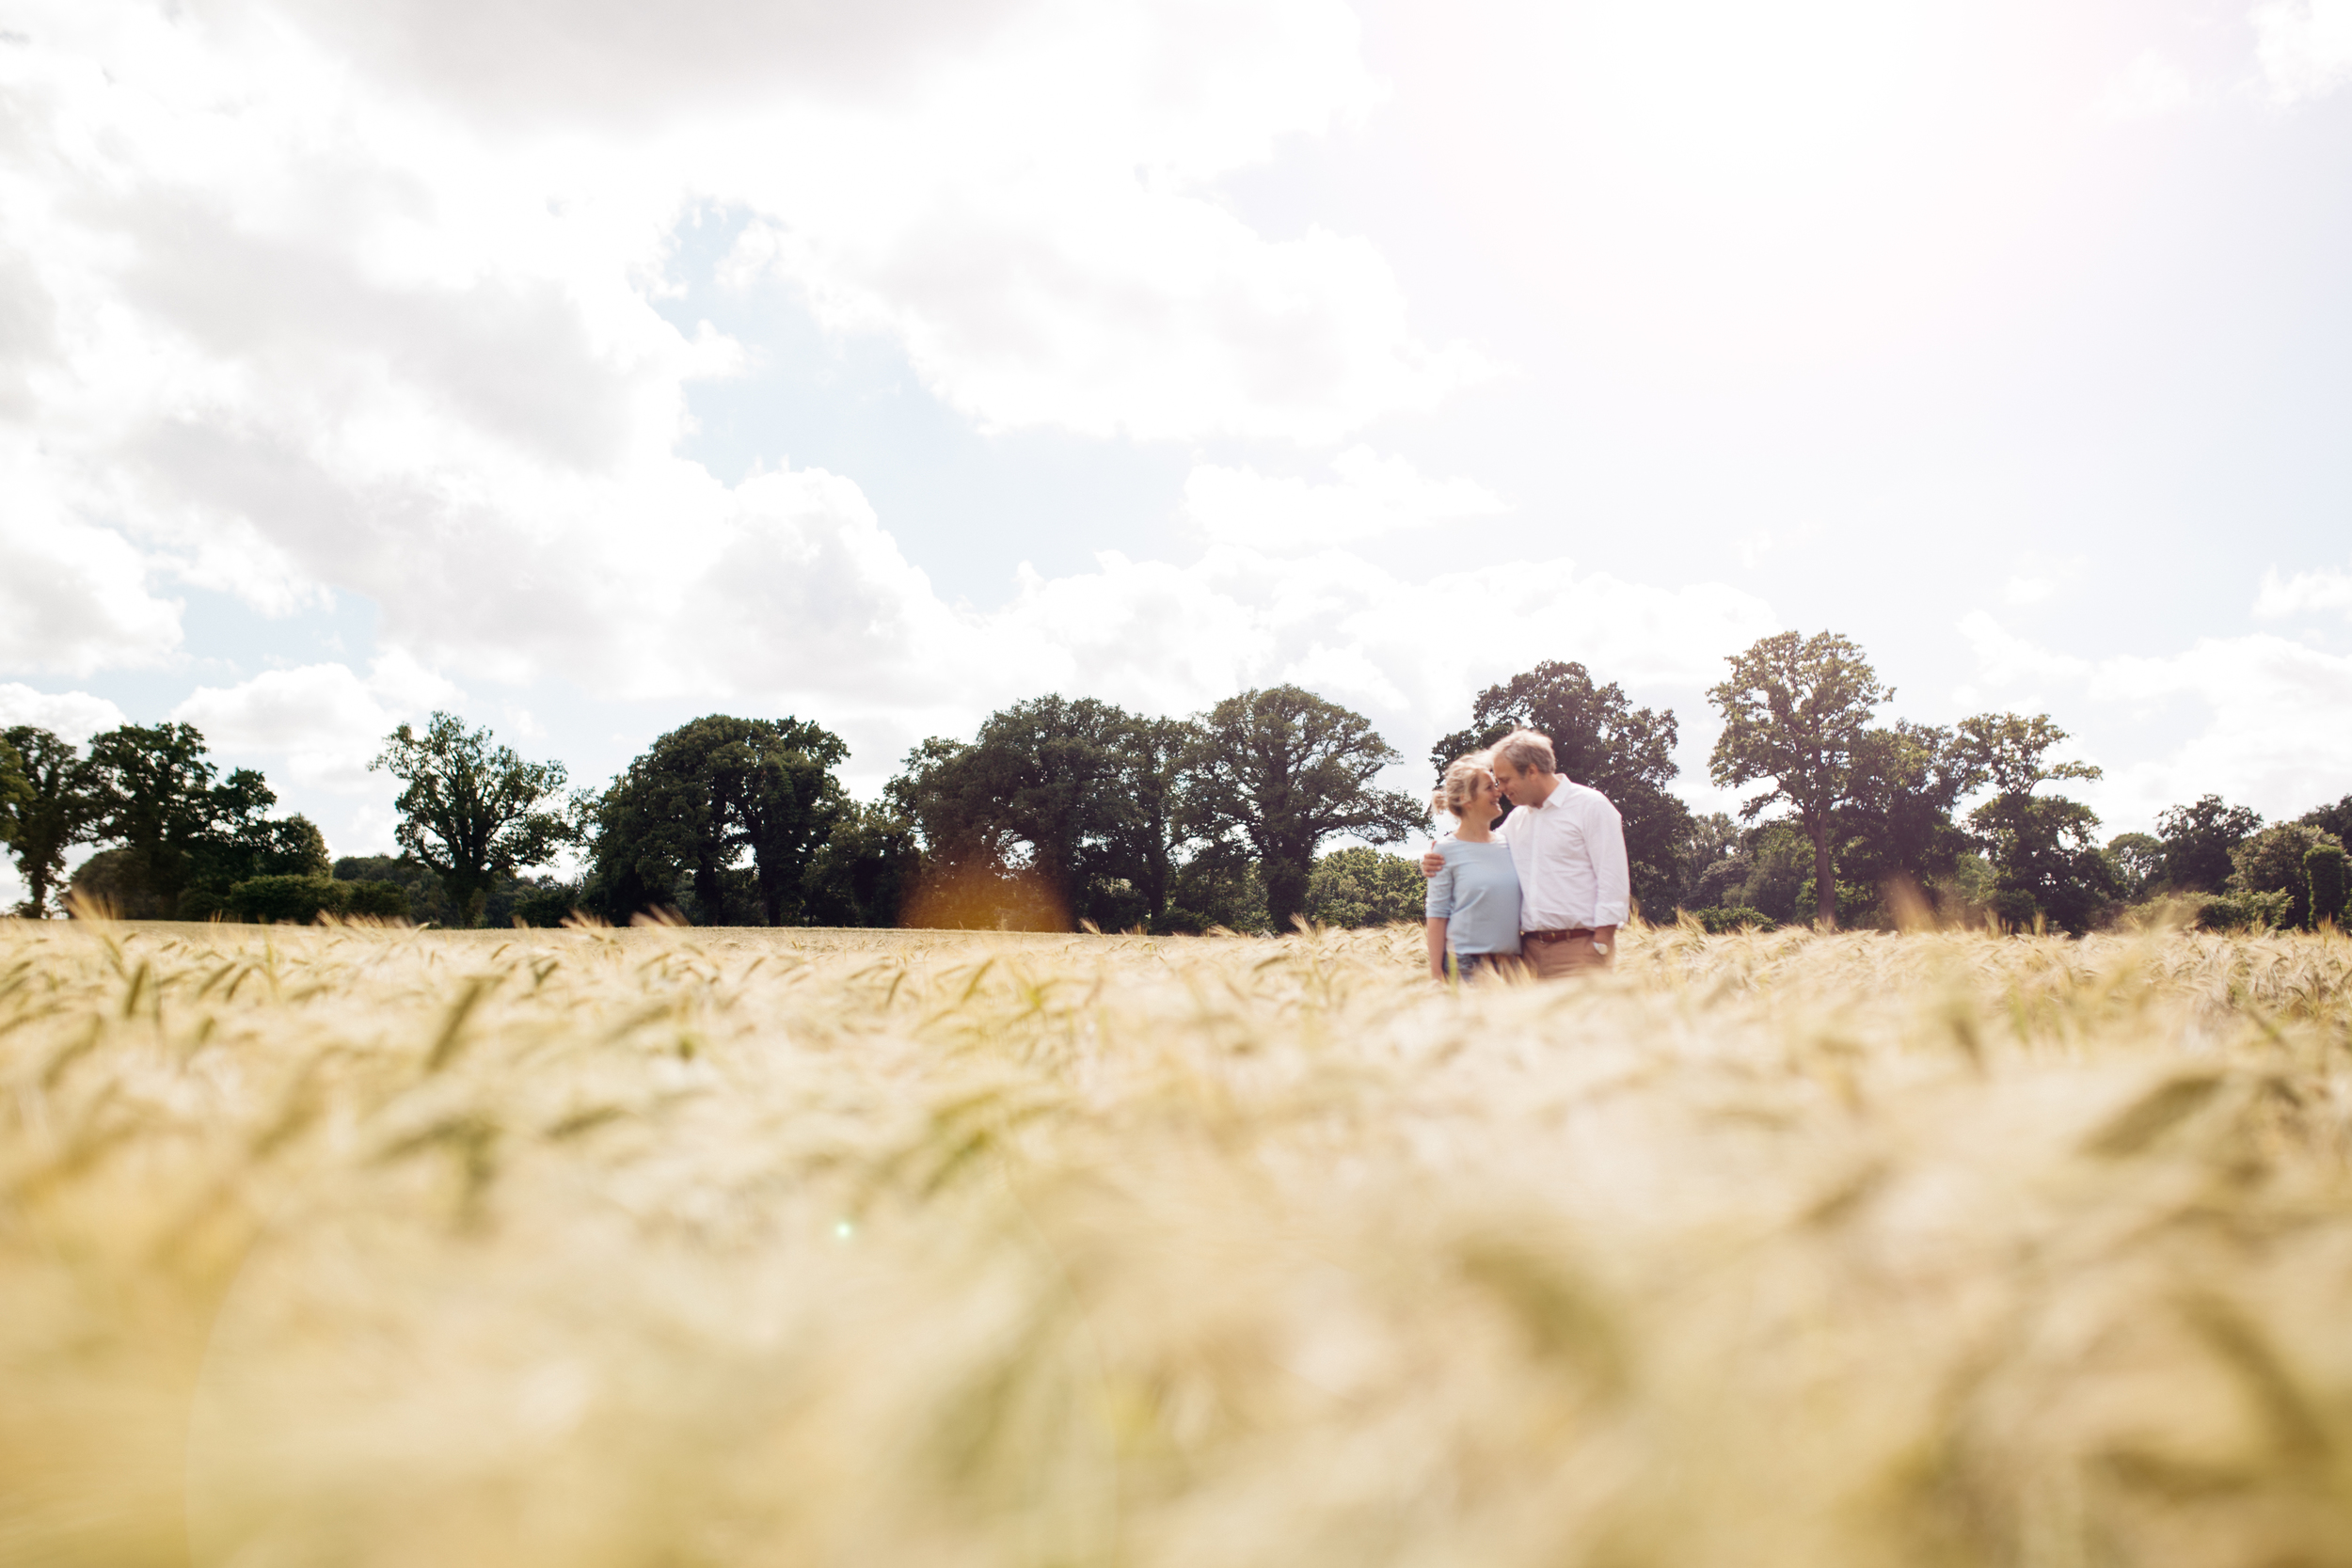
(471, 810)
(54, 807)
(2043, 847)
(1282, 769)
(2199, 839)
(1795, 711)
(702, 797)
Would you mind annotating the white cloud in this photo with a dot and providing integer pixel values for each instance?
(308, 296)
(2277, 733)
(74, 715)
(2305, 46)
(1171, 639)
(1372, 496)
(2327, 589)
(73, 598)
(324, 720)
(2010, 664)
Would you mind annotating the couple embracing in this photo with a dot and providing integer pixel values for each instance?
(1547, 891)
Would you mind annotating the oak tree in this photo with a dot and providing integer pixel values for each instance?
(1795, 711)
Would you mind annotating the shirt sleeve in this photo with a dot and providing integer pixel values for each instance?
(1438, 904)
(1604, 838)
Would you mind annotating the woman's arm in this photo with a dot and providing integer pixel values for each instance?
(1436, 923)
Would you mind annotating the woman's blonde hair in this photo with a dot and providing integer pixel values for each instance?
(1461, 778)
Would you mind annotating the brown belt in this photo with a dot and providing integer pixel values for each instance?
(1555, 936)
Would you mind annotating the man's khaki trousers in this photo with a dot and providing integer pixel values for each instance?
(1552, 960)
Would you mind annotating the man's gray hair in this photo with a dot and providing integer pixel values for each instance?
(1527, 752)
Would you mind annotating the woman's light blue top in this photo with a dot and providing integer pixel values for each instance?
(1477, 895)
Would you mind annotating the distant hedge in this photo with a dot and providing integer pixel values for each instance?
(300, 900)
(1736, 917)
(2244, 911)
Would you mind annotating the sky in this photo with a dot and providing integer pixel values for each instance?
(584, 368)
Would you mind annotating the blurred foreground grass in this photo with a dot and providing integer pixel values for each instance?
(359, 1247)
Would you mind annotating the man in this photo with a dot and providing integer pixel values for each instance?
(1567, 844)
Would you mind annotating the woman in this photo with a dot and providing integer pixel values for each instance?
(1473, 904)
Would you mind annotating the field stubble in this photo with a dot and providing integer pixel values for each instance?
(658, 1247)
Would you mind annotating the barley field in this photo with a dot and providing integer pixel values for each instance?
(374, 1246)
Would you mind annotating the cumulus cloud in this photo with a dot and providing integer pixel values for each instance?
(2304, 46)
(2327, 589)
(2277, 726)
(322, 724)
(74, 715)
(1172, 638)
(307, 296)
(1371, 496)
(73, 597)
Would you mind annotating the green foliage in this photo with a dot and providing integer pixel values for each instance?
(2199, 841)
(1282, 769)
(677, 825)
(1735, 917)
(2336, 819)
(2243, 912)
(2043, 848)
(1705, 854)
(298, 900)
(861, 873)
(1358, 887)
(1220, 888)
(108, 883)
(421, 897)
(2323, 873)
(470, 810)
(1857, 902)
(1600, 740)
(16, 790)
(1897, 823)
(199, 904)
(536, 901)
(376, 900)
(1795, 711)
(2275, 861)
(55, 807)
(155, 796)
(2138, 862)
(1077, 799)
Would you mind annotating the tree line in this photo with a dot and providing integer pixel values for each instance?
(1061, 811)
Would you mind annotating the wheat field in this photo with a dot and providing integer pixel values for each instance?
(374, 1246)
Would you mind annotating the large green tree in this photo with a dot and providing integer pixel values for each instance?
(471, 810)
(55, 807)
(2045, 848)
(2277, 860)
(1600, 740)
(703, 798)
(1795, 712)
(1282, 769)
(1896, 825)
(2199, 841)
(182, 828)
(861, 874)
(1078, 800)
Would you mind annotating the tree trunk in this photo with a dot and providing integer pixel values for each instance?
(1824, 882)
(1285, 893)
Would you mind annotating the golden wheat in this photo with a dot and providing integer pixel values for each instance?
(365, 1246)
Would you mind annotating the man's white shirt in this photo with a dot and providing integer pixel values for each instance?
(1570, 853)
